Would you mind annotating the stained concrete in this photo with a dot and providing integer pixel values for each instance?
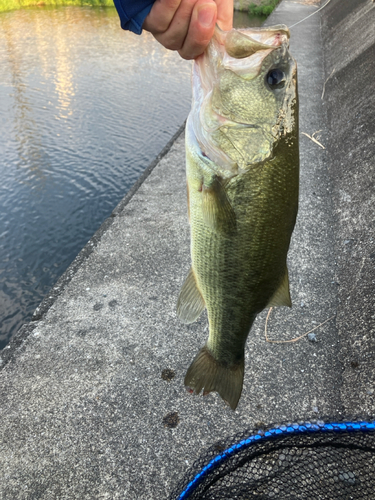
(88, 409)
(348, 30)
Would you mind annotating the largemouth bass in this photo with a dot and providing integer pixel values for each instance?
(242, 165)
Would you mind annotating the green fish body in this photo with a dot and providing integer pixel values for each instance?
(242, 176)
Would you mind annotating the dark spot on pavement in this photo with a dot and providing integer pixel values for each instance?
(113, 303)
(98, 306)
(260, 425)
(171, 420)
(354, 364)
(167, 374)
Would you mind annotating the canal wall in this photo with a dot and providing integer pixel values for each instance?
(91, 391)
(348, 32)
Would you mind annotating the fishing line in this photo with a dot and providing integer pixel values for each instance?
(295, 24)
(296, 338)
(317, 142)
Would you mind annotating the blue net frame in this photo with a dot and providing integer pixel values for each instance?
(319, 457)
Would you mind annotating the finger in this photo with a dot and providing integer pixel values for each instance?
(173, 38)
(161, 15)
(201, 29)
(225, 14)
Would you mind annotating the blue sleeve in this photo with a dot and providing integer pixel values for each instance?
(133, 13)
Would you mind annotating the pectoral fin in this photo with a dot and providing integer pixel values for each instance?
(282, 295)
(217, 211)
(190, 304)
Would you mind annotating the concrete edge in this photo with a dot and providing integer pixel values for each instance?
(16, 344)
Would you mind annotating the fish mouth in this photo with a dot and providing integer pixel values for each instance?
(242, 52)
(241, 43)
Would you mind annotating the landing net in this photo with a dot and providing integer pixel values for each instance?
(309, 460)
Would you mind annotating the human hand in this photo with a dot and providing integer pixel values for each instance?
(188, 25)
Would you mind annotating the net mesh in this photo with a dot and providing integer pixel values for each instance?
(294, 461)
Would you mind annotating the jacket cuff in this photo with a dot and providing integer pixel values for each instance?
(135, 22)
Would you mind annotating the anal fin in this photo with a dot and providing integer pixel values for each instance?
(282, 295)
(190, 303)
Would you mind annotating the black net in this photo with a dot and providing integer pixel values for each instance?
(297, 461)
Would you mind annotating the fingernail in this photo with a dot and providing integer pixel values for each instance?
(206, 15)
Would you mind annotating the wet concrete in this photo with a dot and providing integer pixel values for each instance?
(92, 397)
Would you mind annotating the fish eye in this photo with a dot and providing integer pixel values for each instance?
(275, 78)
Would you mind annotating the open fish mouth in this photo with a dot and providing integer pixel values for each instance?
(241, 51)
(245, 50)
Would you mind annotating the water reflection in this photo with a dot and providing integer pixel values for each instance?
(84, 108)
(28, 144)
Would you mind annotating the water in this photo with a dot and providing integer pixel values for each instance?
(84, 108)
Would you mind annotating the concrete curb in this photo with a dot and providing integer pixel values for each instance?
(17, 341)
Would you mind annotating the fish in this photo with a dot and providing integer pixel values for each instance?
(242, 171)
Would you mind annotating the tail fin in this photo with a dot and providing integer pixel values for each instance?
(208, 374)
